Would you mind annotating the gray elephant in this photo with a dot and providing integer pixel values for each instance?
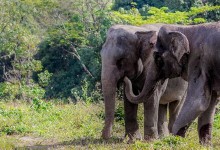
(125, 53)
(192, 52)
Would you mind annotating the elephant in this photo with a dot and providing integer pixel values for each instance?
(193, 53)
(126, 52)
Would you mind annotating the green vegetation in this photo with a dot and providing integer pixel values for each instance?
(78, 126)
(162, 15)
(183, 5)
(50, 49)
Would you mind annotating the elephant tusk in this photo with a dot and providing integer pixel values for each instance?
(140, 67)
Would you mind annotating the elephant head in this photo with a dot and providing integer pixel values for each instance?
(121, 57)
(168, 61)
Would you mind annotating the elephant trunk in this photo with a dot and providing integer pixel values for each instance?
(196, 102)
(109, 85)
(149, 85)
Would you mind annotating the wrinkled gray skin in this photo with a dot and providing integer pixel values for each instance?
(192, 52)
(127, 54)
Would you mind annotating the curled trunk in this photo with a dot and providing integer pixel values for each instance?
(149, 85)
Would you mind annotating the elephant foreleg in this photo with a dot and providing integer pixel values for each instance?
(205, 122)
(162, 121)
(151, 118)
(174, 108)
(131, 124)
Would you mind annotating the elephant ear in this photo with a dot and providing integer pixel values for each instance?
(179, 44)
(146, 43)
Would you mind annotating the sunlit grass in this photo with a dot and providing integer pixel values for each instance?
(78, 126)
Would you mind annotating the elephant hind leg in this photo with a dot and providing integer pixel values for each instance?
(162, 121)
(174, 108)
(205, 122)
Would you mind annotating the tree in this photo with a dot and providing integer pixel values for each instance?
(71, 50)
(128, 4)
(17, 47)
(182, 5)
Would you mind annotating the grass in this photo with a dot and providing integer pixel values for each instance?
(44, 125)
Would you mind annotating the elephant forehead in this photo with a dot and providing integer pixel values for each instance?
(119, 45)
(124, 41)
(126, 33)
(114, 52)
(119, 38)
(128, 29)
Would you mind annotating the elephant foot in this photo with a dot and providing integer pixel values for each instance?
(150, 133)
(182, 131)
(205, 135)
(163, 134)
(149, 138)
(106, 134)
(163, 130)
(133, 136)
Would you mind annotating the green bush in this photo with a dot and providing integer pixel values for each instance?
(40, 105)
(11, 121)
(9, 91)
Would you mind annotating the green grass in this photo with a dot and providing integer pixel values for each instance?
(78, 126)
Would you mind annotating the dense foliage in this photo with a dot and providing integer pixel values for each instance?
(172, 4)
(50, 48)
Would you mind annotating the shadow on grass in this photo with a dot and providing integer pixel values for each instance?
(76, 142)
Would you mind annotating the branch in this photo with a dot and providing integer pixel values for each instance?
(75, 53)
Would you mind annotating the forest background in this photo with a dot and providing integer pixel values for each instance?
(50, 49)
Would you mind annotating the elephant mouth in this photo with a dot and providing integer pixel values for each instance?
(171, 71)
(137, 75)
(135, 78)
(120, 82)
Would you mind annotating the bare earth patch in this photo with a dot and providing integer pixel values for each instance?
(36, 143)
(29, 142)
